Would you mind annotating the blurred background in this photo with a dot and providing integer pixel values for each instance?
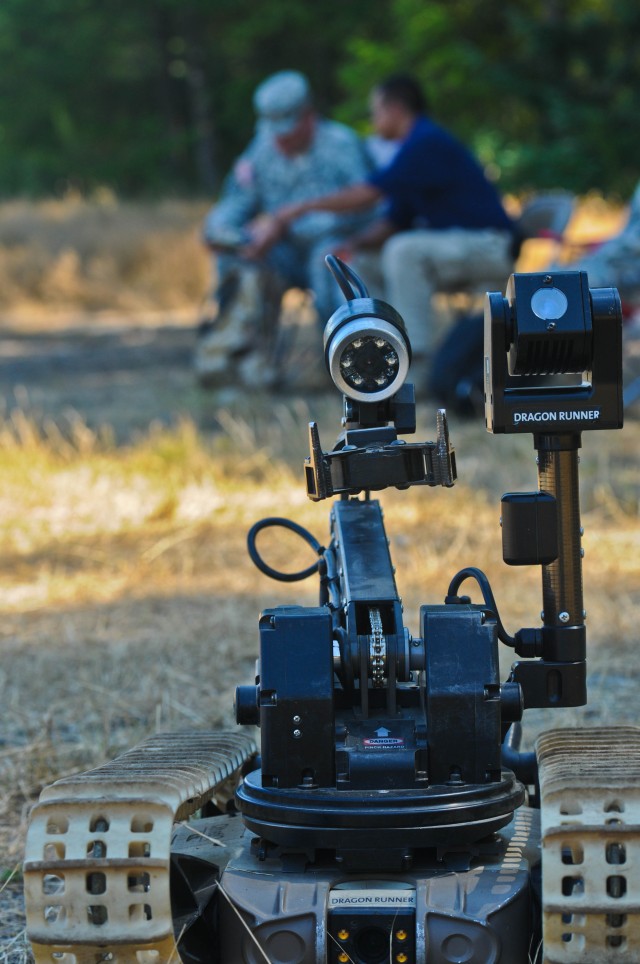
(119, 121)
(128, 602)
(149, 97)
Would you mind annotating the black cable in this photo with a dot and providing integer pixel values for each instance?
(471, 572)
(346, 278)
(258, 561)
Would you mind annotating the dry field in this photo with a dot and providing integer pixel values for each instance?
(129, 603)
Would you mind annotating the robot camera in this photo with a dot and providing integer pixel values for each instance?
(367, 349)
(553, 355)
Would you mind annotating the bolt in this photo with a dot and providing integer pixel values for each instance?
(584, 613)
(551, 326)
(415, 642)
(297, 719)
(582, 553)
(547, 279)
(297, 734)
(564, 617)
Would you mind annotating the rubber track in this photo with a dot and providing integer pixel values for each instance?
(97, 857)
(590, 817)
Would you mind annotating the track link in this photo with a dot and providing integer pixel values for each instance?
(590, 797)
(97, 856)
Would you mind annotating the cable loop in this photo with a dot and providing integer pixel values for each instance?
(258, 561)
(471, 572)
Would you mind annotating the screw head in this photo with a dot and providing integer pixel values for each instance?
(297, 719)
(564, 617)
(297, 734)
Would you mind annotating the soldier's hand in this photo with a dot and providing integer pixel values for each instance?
(264, 232)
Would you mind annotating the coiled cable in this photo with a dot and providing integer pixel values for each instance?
(258, 561)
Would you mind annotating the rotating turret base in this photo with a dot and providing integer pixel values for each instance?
(369, 821)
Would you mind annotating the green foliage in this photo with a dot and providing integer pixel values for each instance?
(150, 96)
(545, 93)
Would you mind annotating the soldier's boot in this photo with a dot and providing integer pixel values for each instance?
(263, 366)
(230, 333)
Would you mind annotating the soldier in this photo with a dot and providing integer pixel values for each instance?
(294, 155)
(616, 262)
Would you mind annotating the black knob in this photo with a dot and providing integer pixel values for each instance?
(246, 704)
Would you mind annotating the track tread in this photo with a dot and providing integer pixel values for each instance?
(97, 858)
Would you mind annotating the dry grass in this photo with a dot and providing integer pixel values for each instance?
(99, 254)
(129, 603)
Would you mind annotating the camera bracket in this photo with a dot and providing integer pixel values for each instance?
(375, 458)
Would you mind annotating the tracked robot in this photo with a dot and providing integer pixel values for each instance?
(387, 813)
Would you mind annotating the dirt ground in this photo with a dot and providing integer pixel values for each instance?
(106, 371)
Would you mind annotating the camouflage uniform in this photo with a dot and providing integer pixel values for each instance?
(249, 293)
(616, 263)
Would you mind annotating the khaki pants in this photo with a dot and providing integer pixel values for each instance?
(413, 265)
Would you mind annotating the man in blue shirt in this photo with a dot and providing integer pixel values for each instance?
(442, 221)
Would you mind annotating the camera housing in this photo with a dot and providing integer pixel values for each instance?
(367, 351)
(553, 355)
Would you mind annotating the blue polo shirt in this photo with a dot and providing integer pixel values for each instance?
(435, 182)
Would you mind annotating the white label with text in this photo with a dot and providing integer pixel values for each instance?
(587, 415)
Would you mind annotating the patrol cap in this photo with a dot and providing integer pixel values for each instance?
(280, 101)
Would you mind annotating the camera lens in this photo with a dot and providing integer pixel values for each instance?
(369, 364)
(372, 945)
(549, 304)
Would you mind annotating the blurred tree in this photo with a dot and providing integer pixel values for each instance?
(152, 96)
(149, 95)
(545, 92)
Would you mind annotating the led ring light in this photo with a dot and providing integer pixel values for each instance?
(367, 350)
